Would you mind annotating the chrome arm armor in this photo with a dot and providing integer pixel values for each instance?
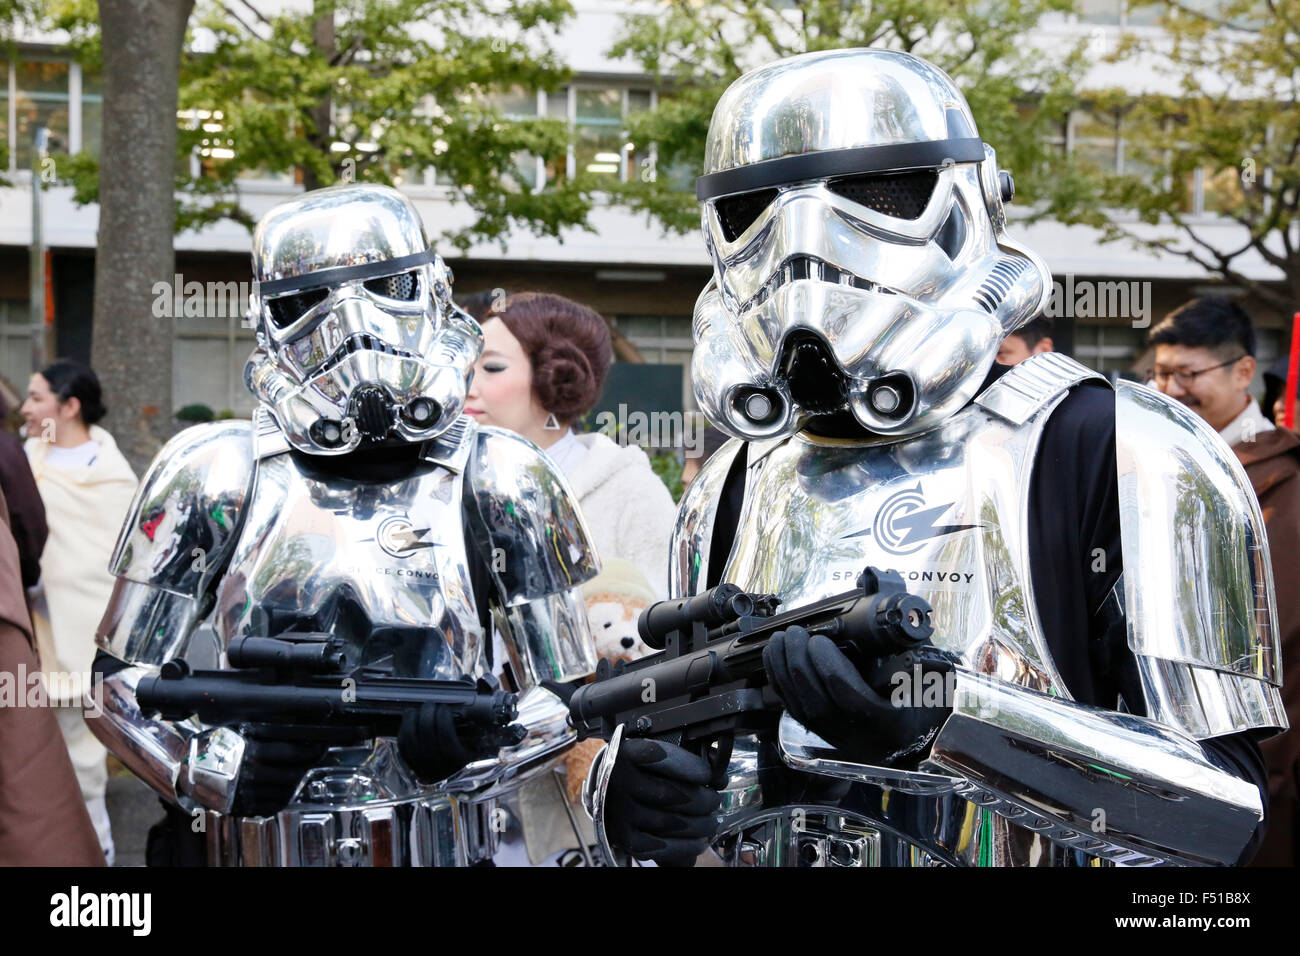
(178, 536)
(688, 566)
(1203, 622)
(525, 521)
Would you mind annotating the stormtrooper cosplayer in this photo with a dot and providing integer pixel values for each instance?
(1093, 554)
(360, 505)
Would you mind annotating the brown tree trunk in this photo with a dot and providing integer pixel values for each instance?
(132, 346)
(322, 37)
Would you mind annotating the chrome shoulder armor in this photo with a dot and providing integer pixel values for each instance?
(178, 535)
(177, 538)
(1202, 617)
(688, 563)
(526, 522)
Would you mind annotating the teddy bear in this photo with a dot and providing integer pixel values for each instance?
(615, 599)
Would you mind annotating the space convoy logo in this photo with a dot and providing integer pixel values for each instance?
(904, 523)
(400, 538)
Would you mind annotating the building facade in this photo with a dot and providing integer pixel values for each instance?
(642, 279)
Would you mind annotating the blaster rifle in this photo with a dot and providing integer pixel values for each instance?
(306, 680)
(708, 682)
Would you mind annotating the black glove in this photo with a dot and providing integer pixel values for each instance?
(659, 806)
(435, 746)
(275, 758)
(172, 841)
(822, 689)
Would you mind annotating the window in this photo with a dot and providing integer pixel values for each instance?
(16, 342)
(1094, 137)
(600, 145)
(597, 132)
(1107, 348)
(51, 93)
(1143, 16)
(5, 125)
(663, 340)
(40, 99)
(520, 104)
(1222, 190)
(1098, 11)
(1117, 13)
(92, 112)
(209, 352)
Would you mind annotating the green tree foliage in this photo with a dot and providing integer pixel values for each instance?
(1228, 108)
(362, 90)
(695, 49)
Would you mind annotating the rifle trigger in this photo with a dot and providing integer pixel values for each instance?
(719, 759)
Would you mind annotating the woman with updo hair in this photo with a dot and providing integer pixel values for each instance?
(86, 486)
(543, 366)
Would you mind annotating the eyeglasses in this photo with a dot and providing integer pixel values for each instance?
(1186, 378)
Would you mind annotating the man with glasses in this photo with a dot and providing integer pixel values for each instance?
(1205, 358)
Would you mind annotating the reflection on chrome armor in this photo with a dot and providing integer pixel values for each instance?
(1017, 773)
(910, 304)
(882, 817)
(688, 564)
(211, 770)
(547, 644)
(1198, 536)
(381, 566)
(804, 750)
(527, 519)
(182, 527)
(366, 809)
(827, 101)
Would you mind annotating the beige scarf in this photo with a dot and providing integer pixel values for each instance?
(84, 507)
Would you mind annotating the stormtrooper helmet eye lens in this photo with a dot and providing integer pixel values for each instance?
(402, 286)
(737, 213)
(288, 309)
(901, 195)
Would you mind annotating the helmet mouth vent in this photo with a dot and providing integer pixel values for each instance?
(816, 381)
(760, 407)
(902, 195)
(372, 409)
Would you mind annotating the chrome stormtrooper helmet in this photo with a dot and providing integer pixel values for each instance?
(855, 223)
(358, 337)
